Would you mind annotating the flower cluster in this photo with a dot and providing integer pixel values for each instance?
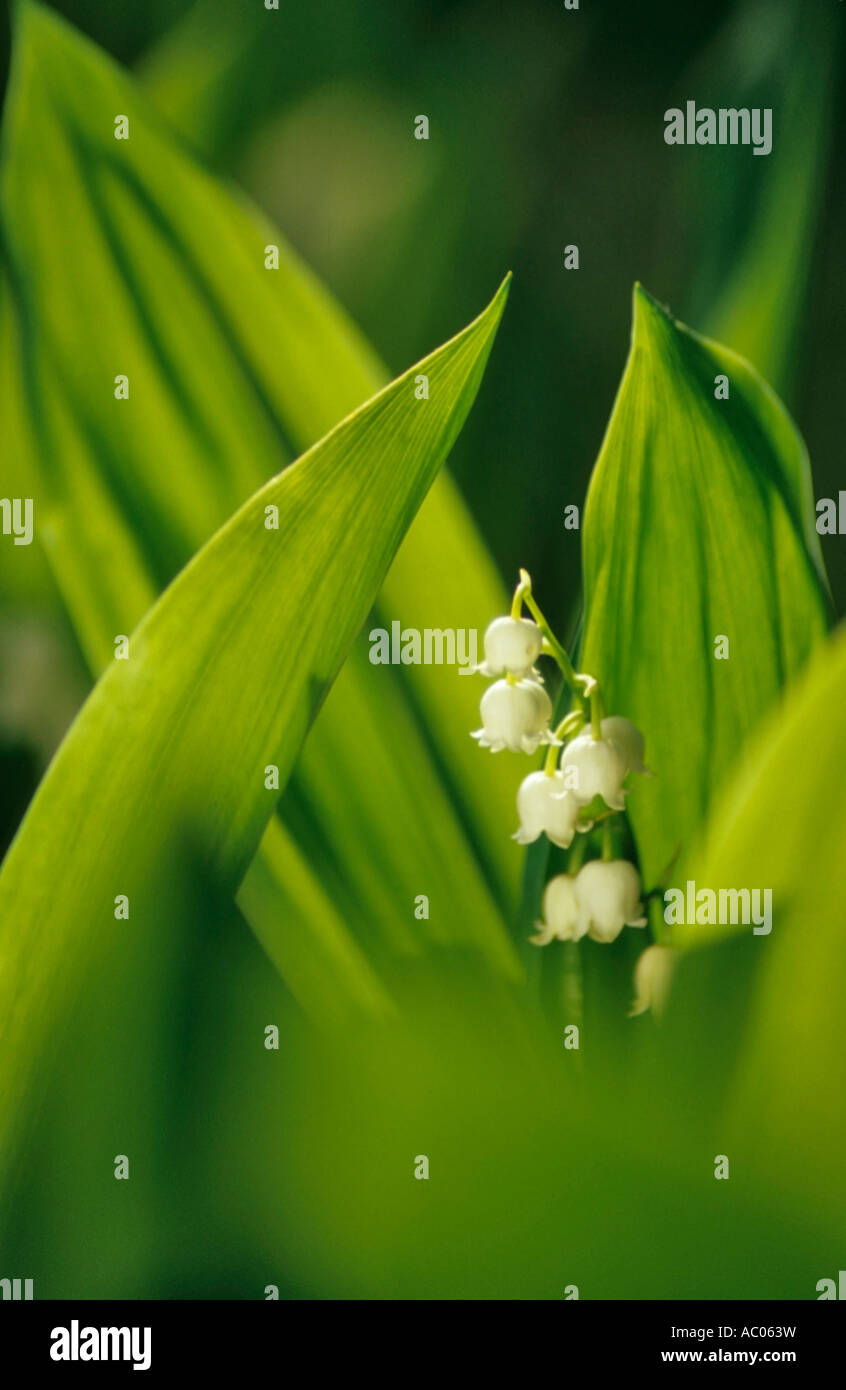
(580, 786)
(603, 898)
(515, 711)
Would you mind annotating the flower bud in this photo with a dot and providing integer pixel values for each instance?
(561, 913)
(512, 645)
(608, 895)
(514, 716)
(596, 768)
(628, 740)
(652, 976)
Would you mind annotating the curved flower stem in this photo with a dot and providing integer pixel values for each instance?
(523, 588)
(576, 854)
(585, 687)
(523, 594)
(570, 724)
(592, 695)
(607, 843)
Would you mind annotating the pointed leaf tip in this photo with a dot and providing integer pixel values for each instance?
(693, 483)
(647, 312)
(498, 303)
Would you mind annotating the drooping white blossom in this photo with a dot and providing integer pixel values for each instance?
(608, 895)
(595, 767)
(545, 806)
(512, 646)
(561, 915)
(629, 742)
(514, 716)
(652, 976)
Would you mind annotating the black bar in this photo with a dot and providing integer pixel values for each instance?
(211, 1339)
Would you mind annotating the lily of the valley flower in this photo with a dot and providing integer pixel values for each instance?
(562, 919)
(608, 895)
(514, 716)
(544, 805)
(595, 767)
(628, 740)
(604, 896)
(512, 645)
(652, 976)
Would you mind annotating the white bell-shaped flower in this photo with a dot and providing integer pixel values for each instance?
(628, 740)
(595, 767)
(561, 915)
(652, 976)
(608, 894)
(546, 807)
(512, 645)
(515, 717)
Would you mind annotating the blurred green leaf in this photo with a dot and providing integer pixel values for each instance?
(781, 826)
(23, 573)
(699, 523)
(801, 747)
(224, 676)
(755, 248)
(233, 368)
(198, 73)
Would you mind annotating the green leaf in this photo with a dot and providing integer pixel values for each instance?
(233, 369)
(23, 573)
(699, 524)
(781, 825)
(755, 251)
(802, 748)
(305, 934)
(166, 762)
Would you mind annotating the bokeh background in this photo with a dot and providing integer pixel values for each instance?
(546, 129)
